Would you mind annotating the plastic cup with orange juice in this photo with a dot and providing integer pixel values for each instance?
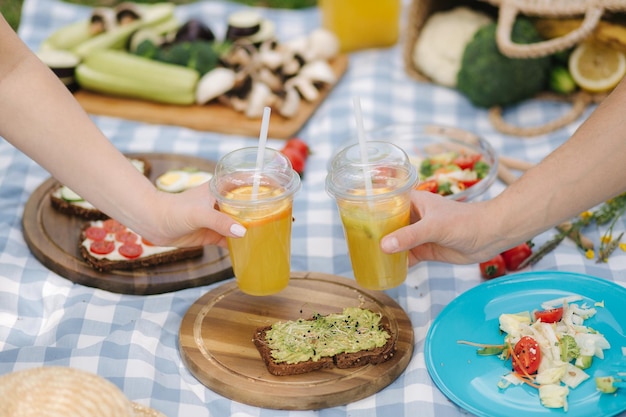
(371, 211)
(361, 24)
(260, 259)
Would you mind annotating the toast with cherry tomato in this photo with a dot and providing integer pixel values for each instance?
(66, 201)
(108, 245)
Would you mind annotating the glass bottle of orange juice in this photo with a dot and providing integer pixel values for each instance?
(362, 24)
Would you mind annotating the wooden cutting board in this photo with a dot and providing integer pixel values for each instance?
(213, 117)
(53, 238)
(216, 343)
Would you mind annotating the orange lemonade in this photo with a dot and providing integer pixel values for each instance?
(364, 228)
(261, 258)
(361, 24)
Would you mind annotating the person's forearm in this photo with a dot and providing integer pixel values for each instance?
(47, 124)
(585, 171)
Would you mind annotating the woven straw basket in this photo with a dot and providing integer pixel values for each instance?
(56, 391)
(505, 12)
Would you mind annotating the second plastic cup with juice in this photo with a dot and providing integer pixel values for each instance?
(373, 201)
(262, 202)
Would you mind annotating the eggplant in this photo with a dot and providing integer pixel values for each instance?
(243, 24)
(194, 30)
(126, 13)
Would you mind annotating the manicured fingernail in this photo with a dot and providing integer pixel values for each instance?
(237, 230)
(390, 244)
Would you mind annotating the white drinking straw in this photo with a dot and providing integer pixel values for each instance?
(261, 151)
(362, 145)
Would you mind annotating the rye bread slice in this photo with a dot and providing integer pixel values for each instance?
(343, 360)
(106, 265)
(88, 213)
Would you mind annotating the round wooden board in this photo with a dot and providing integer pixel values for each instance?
(53, 239)
(216, 343)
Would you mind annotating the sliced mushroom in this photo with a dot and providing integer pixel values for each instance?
(304, 86)
(322, 44)
(319, 71)
(292, 63)
(270, 55)
(257, 100)
(213, 84)
(271, 78)
(289, 103)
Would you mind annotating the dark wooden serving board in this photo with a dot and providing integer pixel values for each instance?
(213, 117)
(216, 343)
(53, 238)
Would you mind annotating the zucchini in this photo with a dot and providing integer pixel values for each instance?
(117, 37)
(68, 37)
(126, 75)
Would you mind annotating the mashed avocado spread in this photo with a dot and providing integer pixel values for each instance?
(353, 330)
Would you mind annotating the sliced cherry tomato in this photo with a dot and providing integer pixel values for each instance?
(516, 255)
(526, 356)
(467, 184)
(428, 185)
(299, 145)
(146, 241)
(296, 159)
(95, 233)
(466, 161)
(112, 226)
(131, 250)
(549, 316)
(102, 247)
(126, 236)
(493, 268)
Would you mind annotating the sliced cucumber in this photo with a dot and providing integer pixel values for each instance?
(68, 195)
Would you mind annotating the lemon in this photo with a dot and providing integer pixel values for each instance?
(596, 68)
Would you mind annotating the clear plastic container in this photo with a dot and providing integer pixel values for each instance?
(362, 24)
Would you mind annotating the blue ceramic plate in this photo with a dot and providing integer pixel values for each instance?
(470, 380)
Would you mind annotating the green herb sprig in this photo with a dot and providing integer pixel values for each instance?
(607, 213)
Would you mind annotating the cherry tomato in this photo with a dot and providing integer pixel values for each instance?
(299, 145)
(516, 255)
(130, 250)
(95, 233)
(296, 159)
(126, 236)
(467, 184)
(549, 316)
(466, 161)
(429, 185)
(146, 241)
(493, 268)
(102, 247)
(112, 226)
(526, 356)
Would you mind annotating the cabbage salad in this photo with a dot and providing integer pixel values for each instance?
(549, 349)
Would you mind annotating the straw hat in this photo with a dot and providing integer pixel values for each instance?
(56, 391)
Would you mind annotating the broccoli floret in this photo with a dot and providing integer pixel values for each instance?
(489, 78)
(568, 347)
(178, 53)
(147, 49)
(201, 55)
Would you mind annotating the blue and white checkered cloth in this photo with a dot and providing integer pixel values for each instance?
(133, 340)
